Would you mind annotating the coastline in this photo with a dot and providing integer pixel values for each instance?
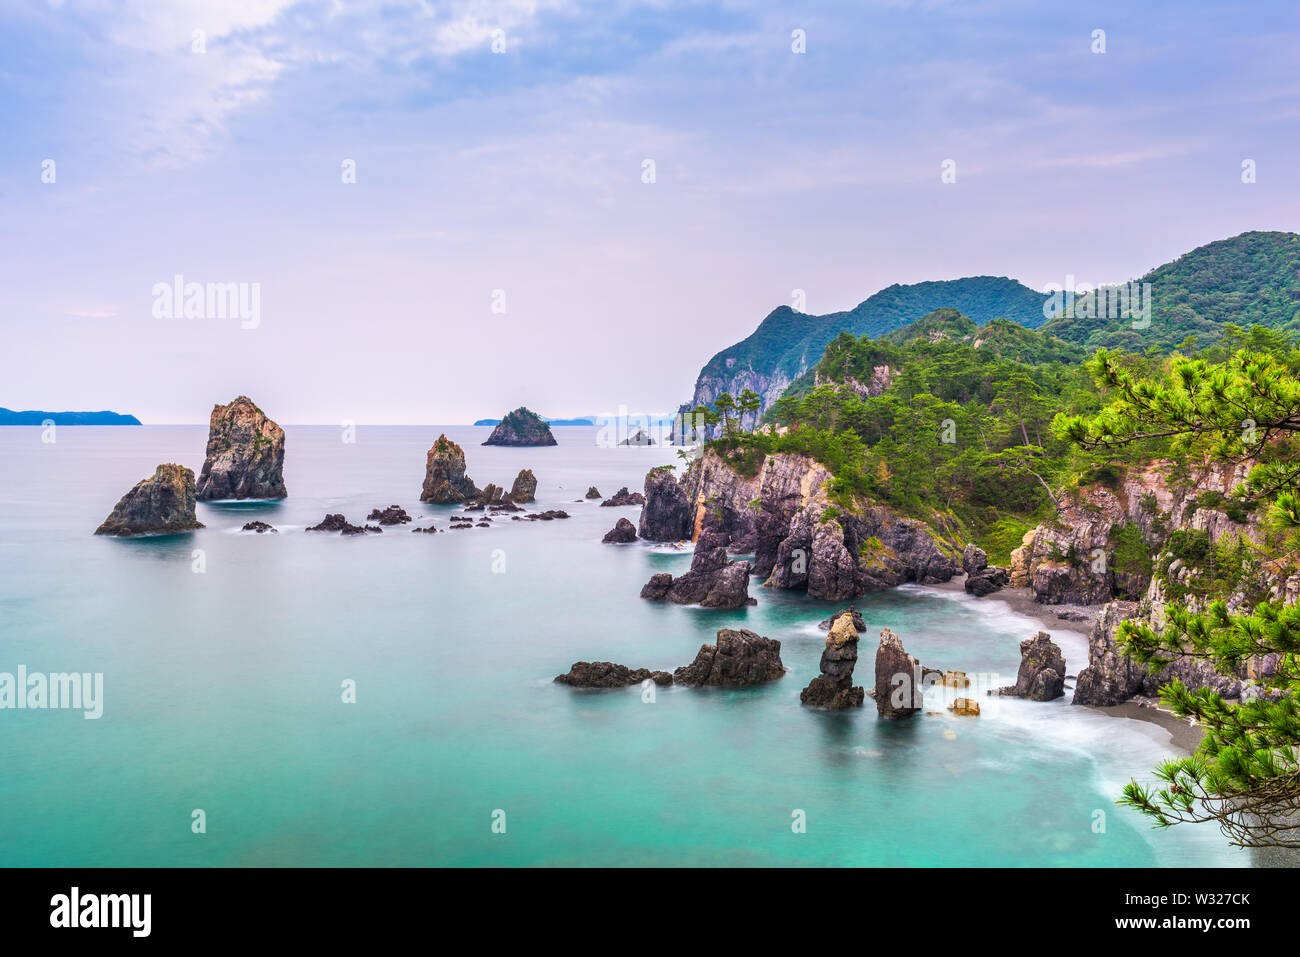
(1183, 737)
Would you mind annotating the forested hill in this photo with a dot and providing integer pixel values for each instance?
(787, 343)
(1250, 279)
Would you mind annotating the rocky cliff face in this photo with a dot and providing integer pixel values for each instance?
(245, 454)
(522, 427)
(1075, 559)
(157, 505)
(445, 481)
(783, 515)
(667, 515)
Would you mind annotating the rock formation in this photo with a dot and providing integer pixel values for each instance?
(981, 577)
(546, 516)
(260, 528)
(713, 581)
(856, 616)
(338, 523)
(800, 540)
(521, 427)
(158, 505)
(245, 454)
(898, 690)
(524, 488)
(624, 497)
(1042, 670)
(1110, 678)
(966, 706)
(393, 515)
(833, 688)
(738, 659)
(445, 481)
(622, 532)
(606, 674)
(667, 515)
(641, 438)
(593, 492)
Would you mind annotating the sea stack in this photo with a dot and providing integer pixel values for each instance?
(834, 688)
(245, 456)
(668, 515)
(445, 481)
(1042, 670)
(155, 506)
(739, 658)
(521, 427)
(898, 676)
(525, 487)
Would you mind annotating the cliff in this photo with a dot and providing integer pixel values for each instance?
(782, 514)
(1134, 544)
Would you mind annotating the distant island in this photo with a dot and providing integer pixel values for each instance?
(593, 420)
(35, 417)
(522, 427)
(585, 420)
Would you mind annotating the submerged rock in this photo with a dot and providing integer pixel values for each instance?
(245, 454)
(622, 532)
(524, 488)
(445, 481)
(338, 523)
(158, 505)
(967, 706)
(607, 674)
(260, 528)
(624, 497)
(393, 515)
(667, 515)
(522, 427)
(546, 516)
(1042, 670)
(833, 688)
(738, 659)
(898, 690)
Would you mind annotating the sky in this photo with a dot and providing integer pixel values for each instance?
(504, 243)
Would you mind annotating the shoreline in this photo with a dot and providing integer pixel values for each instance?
(1183, 737)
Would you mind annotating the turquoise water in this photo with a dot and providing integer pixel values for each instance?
(223, 690)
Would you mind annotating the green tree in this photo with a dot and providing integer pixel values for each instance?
(1245, 775)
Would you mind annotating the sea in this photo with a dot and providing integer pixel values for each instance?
(311, 699)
